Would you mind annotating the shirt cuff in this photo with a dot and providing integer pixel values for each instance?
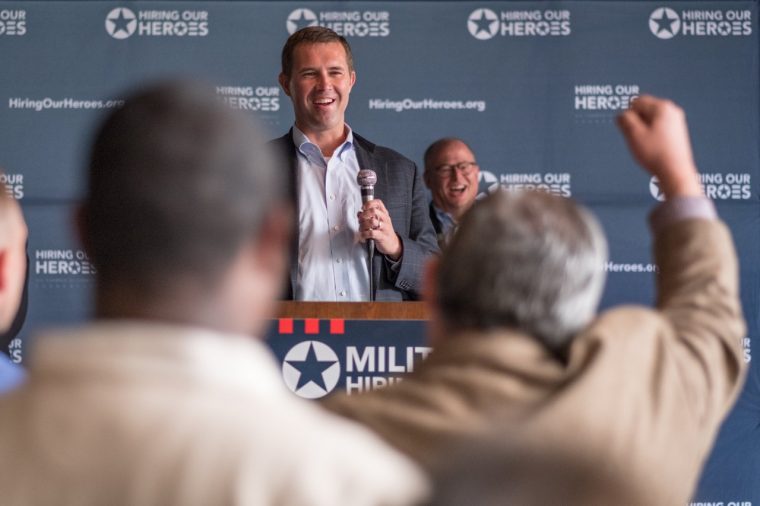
(393, 265)
(679, 209)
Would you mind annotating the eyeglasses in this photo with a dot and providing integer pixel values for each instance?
(465, 168)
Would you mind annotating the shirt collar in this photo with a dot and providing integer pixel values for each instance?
(445, 218)
(310, 150)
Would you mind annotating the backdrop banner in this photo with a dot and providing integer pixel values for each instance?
(533, 87)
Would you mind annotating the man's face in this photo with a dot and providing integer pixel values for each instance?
(319, 86)
(452, 177)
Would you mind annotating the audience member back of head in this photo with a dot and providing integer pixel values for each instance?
(166, 398)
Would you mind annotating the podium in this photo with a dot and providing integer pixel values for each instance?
(353, 310)
(352, 346)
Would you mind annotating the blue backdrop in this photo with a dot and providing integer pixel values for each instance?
(533, 87)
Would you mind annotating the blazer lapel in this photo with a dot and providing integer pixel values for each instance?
(287, 151)
(367, 160)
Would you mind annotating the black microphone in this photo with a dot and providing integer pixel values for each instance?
(367, 179)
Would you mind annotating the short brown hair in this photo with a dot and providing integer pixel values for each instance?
(313, 35)
(177, 183)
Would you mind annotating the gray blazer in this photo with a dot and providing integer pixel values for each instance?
(399, 185)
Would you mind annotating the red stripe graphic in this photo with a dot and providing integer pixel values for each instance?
(286, 326)
(311, 326)
(337, 327)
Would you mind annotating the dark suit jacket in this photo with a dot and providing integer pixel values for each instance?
(399, 185)
(437, 227)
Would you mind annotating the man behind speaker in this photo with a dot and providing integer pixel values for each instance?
(329, 261)
(518, 346)
(166, 399)
(451, 174)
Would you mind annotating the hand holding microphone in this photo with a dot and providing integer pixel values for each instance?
(375, 224)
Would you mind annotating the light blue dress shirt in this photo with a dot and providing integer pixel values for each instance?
(332, 262)
(448, 225)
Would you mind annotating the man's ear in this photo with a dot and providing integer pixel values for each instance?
(4, 274)
(427, 177)
(429, 283)
(7, 297)
(429, 295)
(272, 246)
(284, 83)
(81, 229)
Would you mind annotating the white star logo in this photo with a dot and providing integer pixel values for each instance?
(655, 190)
(483, 24)
(300, 18)
(489, 180)
(121, 23)
(311, 369)
(664, 23)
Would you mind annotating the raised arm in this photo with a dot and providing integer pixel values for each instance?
(697, 288)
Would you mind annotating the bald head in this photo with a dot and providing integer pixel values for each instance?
(451, 174)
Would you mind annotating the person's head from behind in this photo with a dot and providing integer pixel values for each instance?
(13, 234)
(451, 174)
(185, 216)
(527, 261)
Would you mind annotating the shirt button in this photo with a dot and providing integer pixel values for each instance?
(336, 228)
(340, 260)
(342, 293)
(332, 196)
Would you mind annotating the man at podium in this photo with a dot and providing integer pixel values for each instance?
(330, 257)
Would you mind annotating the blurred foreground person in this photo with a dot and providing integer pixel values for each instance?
(518, 345)
(13, 235)
(451, 174)
(503, 471)
(166, 399)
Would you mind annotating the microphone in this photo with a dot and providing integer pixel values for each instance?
(366, 180)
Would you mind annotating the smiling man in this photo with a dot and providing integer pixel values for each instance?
(451, 173)
(325, 157)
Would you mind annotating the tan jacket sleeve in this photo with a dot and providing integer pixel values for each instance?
(698, 294)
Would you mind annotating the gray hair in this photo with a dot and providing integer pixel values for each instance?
(530, 260)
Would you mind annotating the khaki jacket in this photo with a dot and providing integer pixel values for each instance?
(140, 414)
(643, 390)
